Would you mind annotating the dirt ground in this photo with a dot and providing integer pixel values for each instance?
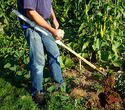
(105, 98)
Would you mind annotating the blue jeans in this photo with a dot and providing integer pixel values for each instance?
(38, 44)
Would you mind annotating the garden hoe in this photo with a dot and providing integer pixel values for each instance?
(39, 28)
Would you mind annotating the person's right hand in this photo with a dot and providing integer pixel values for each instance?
(58, 34)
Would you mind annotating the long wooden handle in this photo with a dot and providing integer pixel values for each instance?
(39, 28)
(87, 62)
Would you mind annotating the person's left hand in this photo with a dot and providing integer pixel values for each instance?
(55, 24)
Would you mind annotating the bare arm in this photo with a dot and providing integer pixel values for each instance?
(55, 22)
(33, 15)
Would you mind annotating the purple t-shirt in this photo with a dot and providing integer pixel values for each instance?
(43, 7)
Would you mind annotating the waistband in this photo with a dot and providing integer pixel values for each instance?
(25, 24)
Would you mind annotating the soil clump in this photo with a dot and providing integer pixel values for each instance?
(106, 98)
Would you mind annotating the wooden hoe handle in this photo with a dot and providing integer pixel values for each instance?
(87, 62)
(39, 28)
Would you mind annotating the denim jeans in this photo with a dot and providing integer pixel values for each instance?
(38, 44)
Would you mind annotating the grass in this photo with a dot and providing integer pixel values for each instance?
(13, 96)
(16, 96)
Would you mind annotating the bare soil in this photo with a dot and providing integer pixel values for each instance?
(106, 98)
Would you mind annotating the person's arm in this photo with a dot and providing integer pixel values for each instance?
(55, 22)
(33, 15)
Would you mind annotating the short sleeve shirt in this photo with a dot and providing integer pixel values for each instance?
(43, 7)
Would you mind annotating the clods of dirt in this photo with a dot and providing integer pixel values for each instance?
(107, 98)
(76, 93)
(109, 82)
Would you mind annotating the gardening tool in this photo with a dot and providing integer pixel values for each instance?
(39, 28)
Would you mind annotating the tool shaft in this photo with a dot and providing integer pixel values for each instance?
(39, 28)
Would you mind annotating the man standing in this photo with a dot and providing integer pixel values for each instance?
(39, 11)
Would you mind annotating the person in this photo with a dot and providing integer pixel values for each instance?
(40, 11)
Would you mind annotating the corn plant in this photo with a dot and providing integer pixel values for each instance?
(103, 30)
(95, 29)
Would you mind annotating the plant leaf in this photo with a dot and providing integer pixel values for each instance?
(96, 45)
(51, 88)
(116, 61)
(63, 87)
(13, 68)
(19, 73)
(85, 45)
(115, 46)
(69, 63)
(104, 55)
(62, 60)
(8, 65)
(81, 27)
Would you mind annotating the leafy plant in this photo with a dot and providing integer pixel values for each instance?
(14, 56)
(66, 63)
(100, 32)
(101, 27)
(120, 83)
(6, 6)
(67, 102)
(96, 87)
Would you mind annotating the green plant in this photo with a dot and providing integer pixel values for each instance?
(14, 55)
(98, 76)
(12, 95)
(80, 101)
(96, 87)
(66, 63)
(101, 29)
(120, 83)
(94, 29)
(66, 102)
(6, 7)
(65, 88)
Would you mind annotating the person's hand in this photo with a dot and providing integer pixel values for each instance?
(58, 34)
(55, 24)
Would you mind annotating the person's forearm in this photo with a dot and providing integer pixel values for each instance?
(52, 13)
(33, 15)
(54, 20)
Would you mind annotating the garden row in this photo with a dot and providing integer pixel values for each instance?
(94, 29)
